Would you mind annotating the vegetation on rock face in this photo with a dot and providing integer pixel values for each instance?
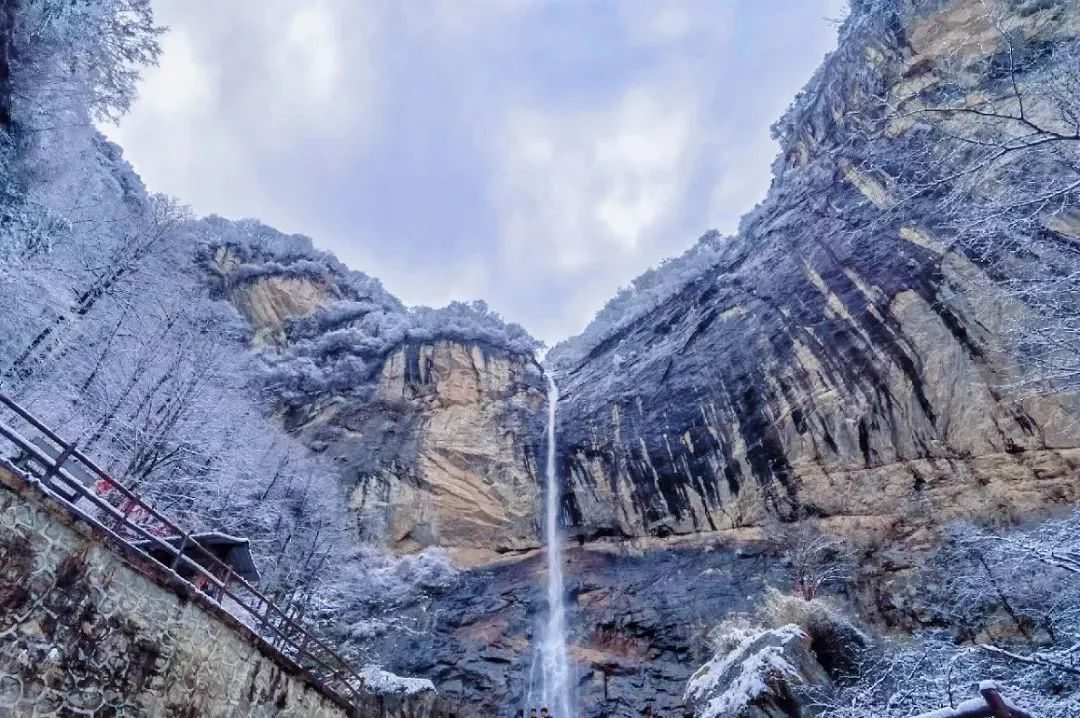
(983, 149)
(997, 606)
(337, 345)
(992, 605)
(645, 293)
(340, 348)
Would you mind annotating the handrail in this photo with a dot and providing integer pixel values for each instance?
(330, 671)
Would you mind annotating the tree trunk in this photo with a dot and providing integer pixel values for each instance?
(7, 27)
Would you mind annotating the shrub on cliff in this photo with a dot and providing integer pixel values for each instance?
(836, 643)
(835, 639)
(813, 560)
(1009, 609)
(340, 349)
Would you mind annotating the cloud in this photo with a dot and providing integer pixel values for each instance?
(246, 89)
(534, 154)
(742, 182)
(576, 186)
(180, 83)
(674, 22)
(456, 21)
(324, 70)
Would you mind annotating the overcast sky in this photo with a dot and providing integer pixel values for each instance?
(538, 155)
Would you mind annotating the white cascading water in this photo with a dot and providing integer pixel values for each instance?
(552, 657)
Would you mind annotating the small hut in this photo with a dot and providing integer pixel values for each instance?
(232, 553)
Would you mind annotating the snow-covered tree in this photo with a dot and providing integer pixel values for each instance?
(813, 560)
(109, 331)
(117, 327)
(988, 146)
(80, 56)
(1008, 609)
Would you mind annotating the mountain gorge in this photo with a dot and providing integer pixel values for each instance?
(842, 360)
(857, 360)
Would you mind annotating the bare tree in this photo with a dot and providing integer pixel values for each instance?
(813, 560)
(744, 508)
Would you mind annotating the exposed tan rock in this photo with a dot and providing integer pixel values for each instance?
(870, 187)
(268, 302)
(439, 455)
(465, 478)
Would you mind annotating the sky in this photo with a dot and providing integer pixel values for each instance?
(537, 155)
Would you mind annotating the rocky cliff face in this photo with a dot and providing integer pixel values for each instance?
(639, 615)
(268, 302)
(436, 448)
(439, 457)
(833, 363)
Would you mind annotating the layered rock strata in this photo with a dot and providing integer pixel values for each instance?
(438, 450)
(840, 359)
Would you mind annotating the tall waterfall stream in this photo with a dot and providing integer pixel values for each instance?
(552, 657)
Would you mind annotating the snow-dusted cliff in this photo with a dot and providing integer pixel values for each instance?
(844, 355)
(425, 413)
(850, 358)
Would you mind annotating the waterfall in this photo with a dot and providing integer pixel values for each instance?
(554, 659)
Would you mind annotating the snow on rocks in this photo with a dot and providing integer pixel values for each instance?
(971, 707)
(757, 678)
(386, 683)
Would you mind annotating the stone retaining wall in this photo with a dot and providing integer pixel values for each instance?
(89, 627)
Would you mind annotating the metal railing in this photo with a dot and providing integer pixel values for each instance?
(990, 704)
(211, 576)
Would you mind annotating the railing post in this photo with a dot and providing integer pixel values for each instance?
(180, 552)
(224, 585)
(996, 704)
(57, 463)
(268, 604)
(297, 631)
(303, 643)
